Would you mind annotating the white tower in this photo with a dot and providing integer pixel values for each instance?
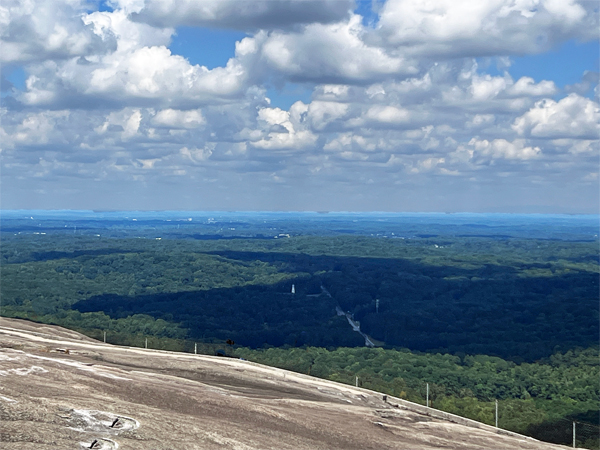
(293, 288)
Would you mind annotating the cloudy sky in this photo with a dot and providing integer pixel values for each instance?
(397, 105)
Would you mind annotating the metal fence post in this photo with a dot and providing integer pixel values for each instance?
(496, 413)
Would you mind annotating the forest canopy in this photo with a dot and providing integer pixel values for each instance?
(482, 308)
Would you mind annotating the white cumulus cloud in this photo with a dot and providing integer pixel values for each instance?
(290, 131)
(450, 28)
(483, 150)
(171, 118)
(244, 15)
(35, 30)
(573, 116)
(334, 52)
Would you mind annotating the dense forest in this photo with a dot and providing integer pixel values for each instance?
(541, 399)
(481, 308)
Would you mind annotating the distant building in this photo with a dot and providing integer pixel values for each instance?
(293, 288)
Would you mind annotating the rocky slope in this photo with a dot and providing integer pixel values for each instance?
(62, 390)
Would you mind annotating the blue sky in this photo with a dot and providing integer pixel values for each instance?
(209, 47)
(566, 63)
(301, 105)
